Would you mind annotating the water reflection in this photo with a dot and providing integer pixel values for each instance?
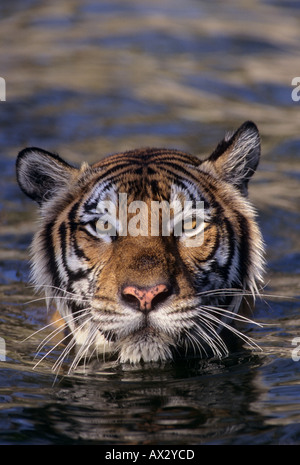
(171, 405)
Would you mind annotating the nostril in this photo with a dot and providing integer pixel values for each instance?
(131, 300)
(161, 296)
(145, 299)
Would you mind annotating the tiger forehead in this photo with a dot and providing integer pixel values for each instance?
(141, 189)
(154, 190)
(146, 160)
(141, 174)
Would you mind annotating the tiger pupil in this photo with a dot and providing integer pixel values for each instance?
(190, 224)
(102, 226)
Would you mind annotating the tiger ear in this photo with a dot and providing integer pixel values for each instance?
(236, 157)
(40, 173)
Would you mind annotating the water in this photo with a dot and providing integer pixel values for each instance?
(86, 78)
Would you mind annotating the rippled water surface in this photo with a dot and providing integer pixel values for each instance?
(86, 78)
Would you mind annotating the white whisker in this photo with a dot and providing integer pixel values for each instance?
(196, 344)
(51, 350)
(231, 292)
(59, 329)
(212, 338)
(202, 337)
(83, 352)
(60, 289)
(232, 329)
(231, 315)
(56, 297)
(43, 343)
(64, 354)
(63, 319)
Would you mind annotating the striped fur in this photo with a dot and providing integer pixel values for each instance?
(86, 275)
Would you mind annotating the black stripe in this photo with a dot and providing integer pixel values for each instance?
(49, 253)
(144, 154)
(244, 248)
(86, 231)
(179, 167)
(104, 177)
(208, 191)
(72, 275)
(90, 205)
(169, 159)
(73, 225)
(230, 235)
(72, 217)
(126, 166)
(154, 188)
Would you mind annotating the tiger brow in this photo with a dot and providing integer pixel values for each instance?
(92, 202)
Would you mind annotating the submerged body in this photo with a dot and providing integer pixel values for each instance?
(125, 284)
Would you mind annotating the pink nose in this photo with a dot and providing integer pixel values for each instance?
(145, 297)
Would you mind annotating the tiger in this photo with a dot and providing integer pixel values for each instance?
(136, 297)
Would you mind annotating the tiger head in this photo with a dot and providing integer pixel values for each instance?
(125, 282)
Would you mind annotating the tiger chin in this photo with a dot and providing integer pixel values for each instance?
(138, 294)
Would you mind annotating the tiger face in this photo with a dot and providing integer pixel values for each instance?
(126, 284)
